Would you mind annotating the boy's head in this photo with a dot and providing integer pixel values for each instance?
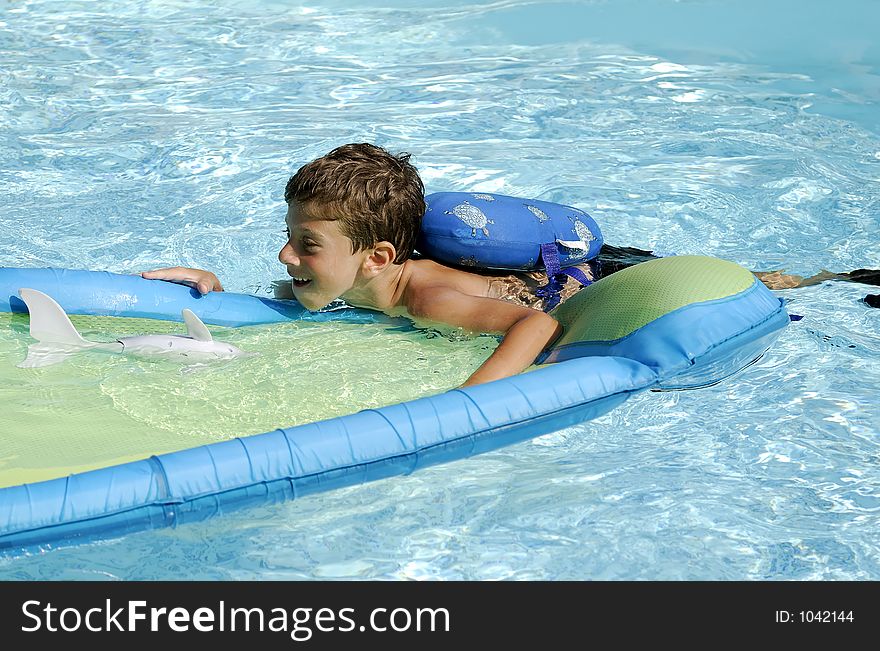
(358, 205)
(373, 194)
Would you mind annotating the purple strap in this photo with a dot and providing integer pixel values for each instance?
(556, 277)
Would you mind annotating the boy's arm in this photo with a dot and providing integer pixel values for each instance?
(202, 280)
(526, 331)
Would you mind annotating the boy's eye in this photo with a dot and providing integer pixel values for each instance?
(306, 244)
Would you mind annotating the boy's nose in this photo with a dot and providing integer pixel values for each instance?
(287, 256)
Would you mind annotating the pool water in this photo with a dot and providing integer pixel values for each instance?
(97, 409)
(142, 134)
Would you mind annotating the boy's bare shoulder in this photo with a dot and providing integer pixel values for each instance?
(436, 294)
(427, 277)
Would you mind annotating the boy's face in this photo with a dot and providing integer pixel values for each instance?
(318, 257)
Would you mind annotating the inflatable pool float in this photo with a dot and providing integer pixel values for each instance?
(672, 323)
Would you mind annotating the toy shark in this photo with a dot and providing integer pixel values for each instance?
(57, 339)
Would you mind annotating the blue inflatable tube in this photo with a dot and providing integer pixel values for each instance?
(172, 489)
(585, 382)
(103, 293)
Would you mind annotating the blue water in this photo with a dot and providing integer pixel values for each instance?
(141, 134)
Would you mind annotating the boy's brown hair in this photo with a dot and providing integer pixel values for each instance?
(376, 195)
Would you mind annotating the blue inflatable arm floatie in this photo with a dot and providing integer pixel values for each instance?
(494, 231)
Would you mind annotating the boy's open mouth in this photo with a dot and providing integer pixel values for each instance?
(301, 282)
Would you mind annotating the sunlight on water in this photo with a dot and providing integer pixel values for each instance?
(161, 133)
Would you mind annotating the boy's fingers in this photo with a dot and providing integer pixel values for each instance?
(163, 274)
(170, 273)
(205, 286)
(186, 276)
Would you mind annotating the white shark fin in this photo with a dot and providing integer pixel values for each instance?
(195, 328)
(56, 337)
(49, 324)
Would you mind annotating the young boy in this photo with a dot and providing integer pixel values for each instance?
(353, 218)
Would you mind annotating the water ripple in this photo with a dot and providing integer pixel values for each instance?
(159, 133)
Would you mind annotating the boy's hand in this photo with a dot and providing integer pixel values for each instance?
(202, 280)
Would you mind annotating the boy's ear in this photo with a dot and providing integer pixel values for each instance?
(381, 256)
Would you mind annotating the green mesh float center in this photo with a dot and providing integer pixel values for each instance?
(623, 302)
